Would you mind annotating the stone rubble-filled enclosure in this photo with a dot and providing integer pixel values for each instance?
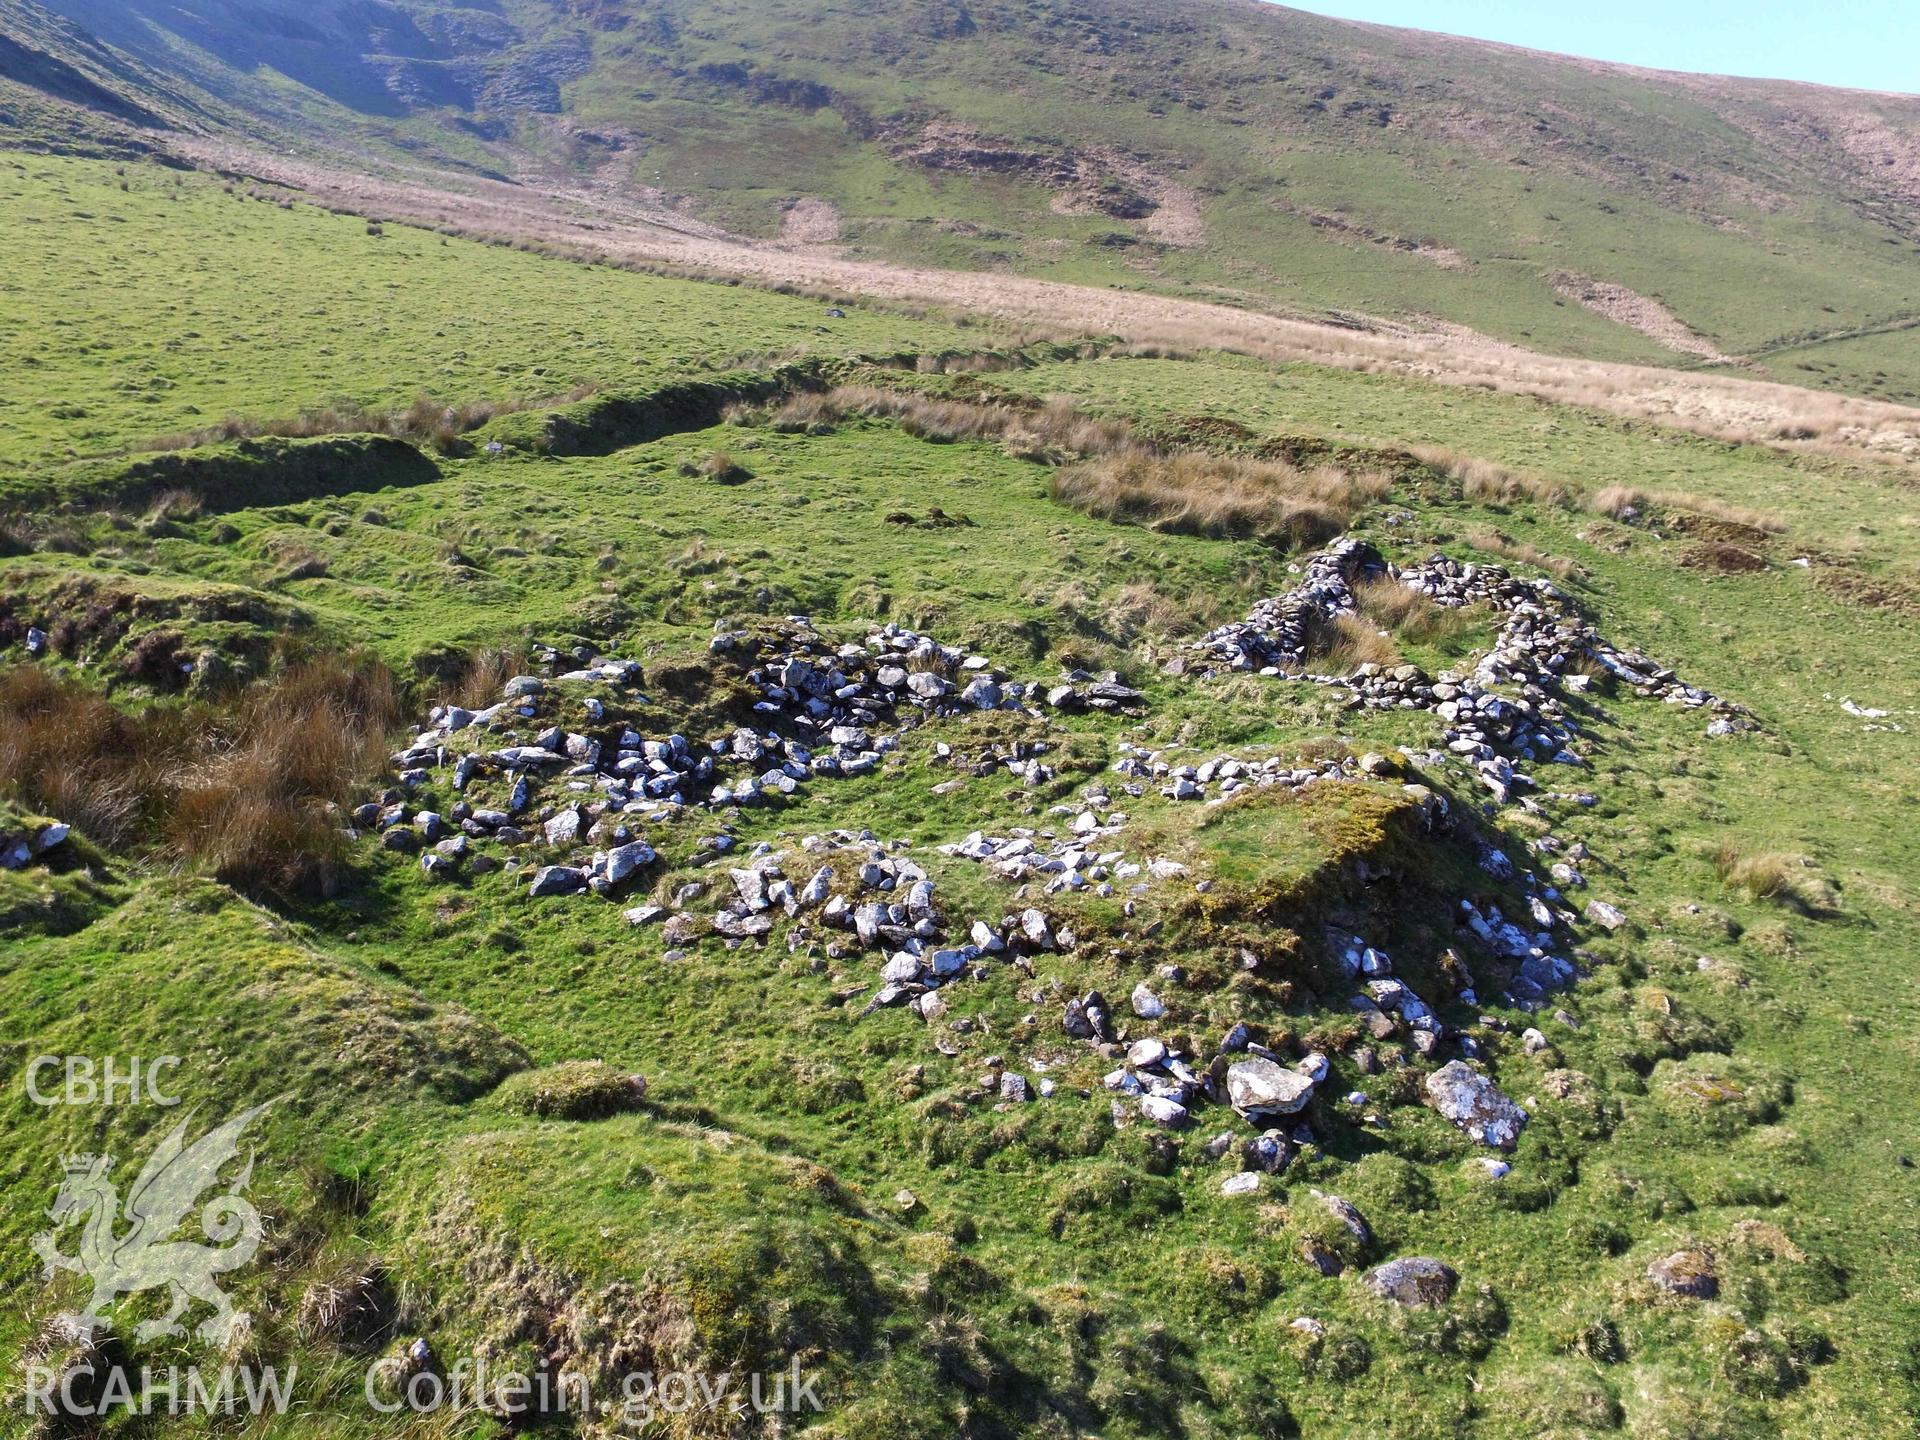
(575, 808)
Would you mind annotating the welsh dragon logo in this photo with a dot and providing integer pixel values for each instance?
(146, 1256)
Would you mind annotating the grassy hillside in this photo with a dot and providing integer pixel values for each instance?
(180, 316)
(459, 1158)
(1229, 149)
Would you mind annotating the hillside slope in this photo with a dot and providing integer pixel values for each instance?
(1234, 151)
(1051, 1023)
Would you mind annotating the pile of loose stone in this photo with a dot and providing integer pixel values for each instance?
(1544, 652)
(1277, 633)
(1224, 776)
(836, 710)
(1154, 1081)
(1072, 862)
(1088, 857)
(831, 711)
(860, 894)
(1168, 1088)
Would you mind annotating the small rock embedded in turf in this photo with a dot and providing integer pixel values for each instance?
(1690, 1273)
(1418, 1281)
(1474, 1103)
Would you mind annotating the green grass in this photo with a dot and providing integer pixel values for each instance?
(1056, 1275)
(1731, 206)
(645, 550)
(1771, 270)
(1874, 363)
(1828, 503)
(164, 307)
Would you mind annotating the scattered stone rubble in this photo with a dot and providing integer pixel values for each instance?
(1089, 856)
(838, 706)
(830, 711)
(1158, 1083)
(1544, 653)
(1165, 1087)
(1223, 776)
(858, 894)
(1072, 862)
(836, 710)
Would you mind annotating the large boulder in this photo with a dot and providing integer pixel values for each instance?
(1474, 1103)
(1260, 1087)
(558, 880)
(623, 860)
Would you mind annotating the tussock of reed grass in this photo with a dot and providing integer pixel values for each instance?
(248, 789)
(718, 466)
(1788, 879)
(1408, 613)
(1140, 609)
(808, 413)
(1221, 497)
(1341, 644)
(1485, 483)
(1621, 502)
(481, 677)
(352, 1305)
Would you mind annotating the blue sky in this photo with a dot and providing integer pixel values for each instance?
(1872, 44)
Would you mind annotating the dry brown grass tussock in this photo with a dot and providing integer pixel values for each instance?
(1789, 879)
(1408, 613)
(811, 412)
(1498, 542)
(1621, 502)
(718, 466)
(1487, 483)
(1141, 610)
(250, 789)
(1341, 644)
(1220, 497)
(481, 677)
